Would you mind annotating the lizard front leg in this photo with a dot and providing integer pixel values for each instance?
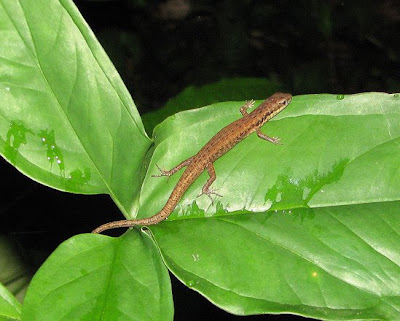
(273, 140)
(247, 105)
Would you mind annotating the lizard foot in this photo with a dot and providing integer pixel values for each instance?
(276, 141)
(163, 172)
(209, 192)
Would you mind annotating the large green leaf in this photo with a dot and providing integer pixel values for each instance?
(329, 145)
(66, 118)
(94, 277)
(10, 308)
(310, 227)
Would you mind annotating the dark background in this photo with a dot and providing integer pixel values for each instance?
(160, 47)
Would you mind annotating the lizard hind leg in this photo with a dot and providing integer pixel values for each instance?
(172, 171)
(206, 188)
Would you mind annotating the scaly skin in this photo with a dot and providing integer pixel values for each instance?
(222, 142)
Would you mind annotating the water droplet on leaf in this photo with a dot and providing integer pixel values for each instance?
(190, 283)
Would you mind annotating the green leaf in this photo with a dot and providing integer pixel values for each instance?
(310, 227)
(10, 308)
(66, 118)
(94, 277)
(224, 90)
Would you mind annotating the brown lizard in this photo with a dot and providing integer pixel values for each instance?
(222, 142)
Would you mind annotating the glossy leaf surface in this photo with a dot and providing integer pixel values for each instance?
(92, 277)
(66, 118)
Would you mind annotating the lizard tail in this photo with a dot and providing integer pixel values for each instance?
(152, 220)
(115, 224)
